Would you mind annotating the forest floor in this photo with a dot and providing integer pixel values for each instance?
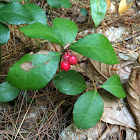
(50, 113)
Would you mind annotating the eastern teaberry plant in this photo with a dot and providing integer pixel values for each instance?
(35, 70)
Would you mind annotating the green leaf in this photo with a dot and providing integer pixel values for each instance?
(70, 83)
(65, 3)
(34, 71)
(54, 3)
(37, 13)
(98, 10)
(97, 47)
(114, 86)
(59, 3)
(2, 4)
(8, 92)
(83, 11)
(38, 30)
(4, 33)
(66, 28)
(88, 110)
(15, 13)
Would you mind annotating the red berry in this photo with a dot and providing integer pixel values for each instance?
(72, 60)
(65, 66)
(66, 55)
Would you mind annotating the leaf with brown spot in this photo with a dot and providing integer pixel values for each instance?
(34, 71)
(26, 66)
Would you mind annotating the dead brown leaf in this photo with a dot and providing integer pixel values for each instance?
(14, 29)
(123, 6)
(122, 69)
(133, 97)
(100, 131)
(116, 112)
(108, 4)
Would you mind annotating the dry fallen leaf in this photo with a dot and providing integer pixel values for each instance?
(26, 40)
(101, 131)
(108, 4)
(116, 111)
(73, 133)
(122, 69)
(124, 5)
(133, 97)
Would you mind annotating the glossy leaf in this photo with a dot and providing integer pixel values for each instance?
(34, 71)
(70, 83)
(37, 13)
(114, 86)
(15, 13)
(66, 28)
(88, 110)
(59, 3)
(65, 3)
(98, 10)
(8, 92)
(2, 4)
(97, 47)
(4, 33)
(83, 11)
(38, 30)
(54, 3)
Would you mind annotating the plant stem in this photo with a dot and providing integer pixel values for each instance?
(95, 29)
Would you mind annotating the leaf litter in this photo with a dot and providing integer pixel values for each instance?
(48, 98)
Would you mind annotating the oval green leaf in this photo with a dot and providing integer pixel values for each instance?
(37, 13)
(70, 83)
(114, 86)
(88, 110)
(8, 92)
(4, 33)
(38, 30)
(97, 47)
(59, 3)
(66, 28)
(34, 71)
(15, 13)
(98, 10)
